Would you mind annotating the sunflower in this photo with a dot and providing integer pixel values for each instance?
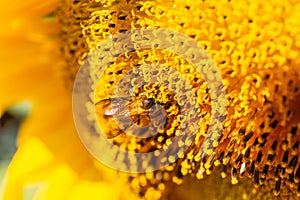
(255, 46)
(47, 156)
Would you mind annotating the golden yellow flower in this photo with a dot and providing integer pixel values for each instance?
(254, 44)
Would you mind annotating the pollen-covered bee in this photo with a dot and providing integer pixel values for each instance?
(117, 115)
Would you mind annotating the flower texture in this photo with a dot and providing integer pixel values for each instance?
(255, 46)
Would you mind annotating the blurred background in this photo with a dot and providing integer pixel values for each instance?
(9, 126)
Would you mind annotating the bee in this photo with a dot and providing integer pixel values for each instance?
(117, 115)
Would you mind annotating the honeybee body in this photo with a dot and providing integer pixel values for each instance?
(117, 115)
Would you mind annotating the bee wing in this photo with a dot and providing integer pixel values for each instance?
(110, 110)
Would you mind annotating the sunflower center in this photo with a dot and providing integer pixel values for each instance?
(258, 57)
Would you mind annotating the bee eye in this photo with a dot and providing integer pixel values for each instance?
(147, 103)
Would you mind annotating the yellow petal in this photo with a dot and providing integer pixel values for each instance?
(23, 165)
